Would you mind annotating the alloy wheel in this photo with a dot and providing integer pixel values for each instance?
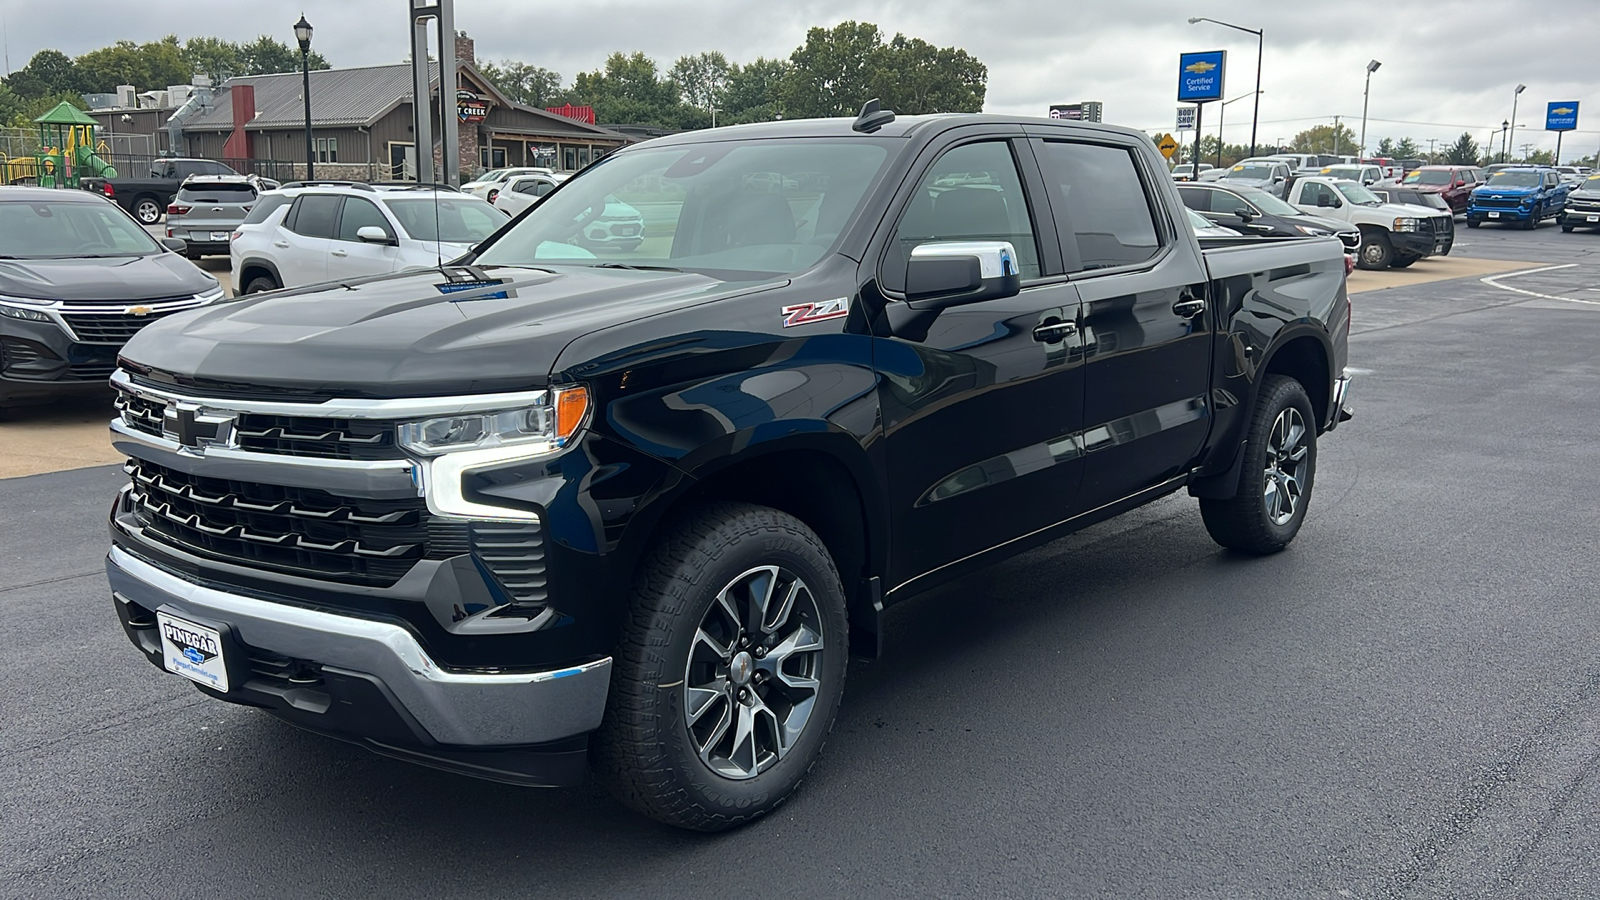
(751, 681)
(1285, 472)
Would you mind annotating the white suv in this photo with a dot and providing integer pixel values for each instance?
(305, 233)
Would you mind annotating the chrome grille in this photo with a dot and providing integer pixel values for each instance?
(140, 413)
(1350, 239)
(323, 438)
(298, 530)
(109, 328)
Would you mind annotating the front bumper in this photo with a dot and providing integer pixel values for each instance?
(1581, 217)
(1415, 243)
(1499, 213)
(371, 681)
(40, 358)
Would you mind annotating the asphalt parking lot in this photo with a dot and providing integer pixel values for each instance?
(1406, 703)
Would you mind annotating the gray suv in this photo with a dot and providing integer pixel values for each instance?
(208, 208)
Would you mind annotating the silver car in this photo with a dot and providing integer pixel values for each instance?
(208, 208)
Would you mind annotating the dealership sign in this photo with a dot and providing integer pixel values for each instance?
(1200, 76)
(1562, 116)
(470, 107)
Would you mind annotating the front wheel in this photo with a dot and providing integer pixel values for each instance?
(730, 670)
(1376, 251)
(1404, 262)
(1473, 223)
(1532, 221)
(1280, 465)
(1567, 229)
(147, 211)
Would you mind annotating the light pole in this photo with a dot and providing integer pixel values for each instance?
(1515, 96)
(1365, 94)
(302, 33)
(1505, 134)
(1255, 117)
(714, 112)
(1221, 108)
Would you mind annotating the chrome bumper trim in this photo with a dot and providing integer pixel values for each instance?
(410, 408)
(458, 709)
(389, 479)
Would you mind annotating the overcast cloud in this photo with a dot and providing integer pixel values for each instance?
(1447, 66)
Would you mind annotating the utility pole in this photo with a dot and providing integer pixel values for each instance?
(1335, 135)
(1431, 142)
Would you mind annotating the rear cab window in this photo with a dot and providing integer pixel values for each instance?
(220, 192)
(1091, 188)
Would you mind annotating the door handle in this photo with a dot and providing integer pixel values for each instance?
(1055, 332)
(1189, 308)
(341, 253)
(281, 245)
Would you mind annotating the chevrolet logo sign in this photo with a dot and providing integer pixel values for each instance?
(195, 428)
(138, 311)
(1563, 110)
(1199, 68)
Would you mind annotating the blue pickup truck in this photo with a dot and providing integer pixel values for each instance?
(1526, 195)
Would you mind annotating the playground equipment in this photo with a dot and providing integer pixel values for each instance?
(66, 150)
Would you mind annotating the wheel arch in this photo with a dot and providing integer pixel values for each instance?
(1305, 357)
(253, 267)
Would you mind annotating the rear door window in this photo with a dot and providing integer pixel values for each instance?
(1101, 205)
(314, 215)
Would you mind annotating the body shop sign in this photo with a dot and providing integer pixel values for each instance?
(470, 107)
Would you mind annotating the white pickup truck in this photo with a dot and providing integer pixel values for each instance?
(1392, 234)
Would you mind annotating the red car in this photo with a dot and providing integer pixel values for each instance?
(1453, 183)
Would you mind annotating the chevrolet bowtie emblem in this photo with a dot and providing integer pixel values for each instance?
(195, 428)
(1563, 110)
(138, 310)
(1200, 68)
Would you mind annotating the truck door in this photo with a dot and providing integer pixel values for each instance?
(1145, 329)
(980, 414)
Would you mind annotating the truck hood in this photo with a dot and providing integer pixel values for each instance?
(118, 279)
(416, 334)
(1500, 193)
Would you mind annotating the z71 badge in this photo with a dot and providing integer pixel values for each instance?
(806, 313)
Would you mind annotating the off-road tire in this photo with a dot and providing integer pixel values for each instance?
(643, 751)
(1241, 522)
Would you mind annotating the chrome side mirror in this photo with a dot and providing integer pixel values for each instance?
(953, 273)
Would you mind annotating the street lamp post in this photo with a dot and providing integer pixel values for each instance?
(714, 112)
(1221, 108)
(1255, 116)
(302, 33)
(1515, 96)
(1365, 94)
(1505, 134)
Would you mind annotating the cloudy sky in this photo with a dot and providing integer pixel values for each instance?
(1447, 67)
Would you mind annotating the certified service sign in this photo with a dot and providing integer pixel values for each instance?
(1562, 116)
(1200, 76)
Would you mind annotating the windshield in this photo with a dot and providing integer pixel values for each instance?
(1592, 183)
(759, 208)
(454, 219)
(1515, 179)
(1430, 176)
(1268, 203)
(1358, 195)
(1260, 173)
(64, 230)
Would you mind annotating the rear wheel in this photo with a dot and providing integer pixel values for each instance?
(730, 670)
(147, 210)
(1376, 251)
(260, 283)
(1280, 465)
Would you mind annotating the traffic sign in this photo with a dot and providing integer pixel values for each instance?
(1185, 118)
(1561, 116)
(1200, 76)
(1167, 145)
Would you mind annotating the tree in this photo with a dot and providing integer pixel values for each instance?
(213, 57)
(48, 72)
(752, 91)
(1464, 152)
(1407, 149)
(1386, 148)
(267, 56)
(915, 78)
(701, 79)
(1326, 139)
(149, 66)
(525, 84)
(629, 89)
(833, 72)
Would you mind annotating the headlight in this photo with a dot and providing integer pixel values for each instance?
(18, 308)
(1405, 224)
(211, 296)
(553, 419)
(1315, 232)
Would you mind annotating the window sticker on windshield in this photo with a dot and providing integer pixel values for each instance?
(1238, 168)
(456, 287)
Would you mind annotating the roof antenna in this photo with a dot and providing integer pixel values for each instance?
(873, 116)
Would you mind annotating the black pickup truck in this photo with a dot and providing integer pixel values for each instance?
(539, 509)
(147, 198)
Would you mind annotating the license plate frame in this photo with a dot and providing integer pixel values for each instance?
(1594, 218)
(1494, 215)
(194, 650)
(219, 235)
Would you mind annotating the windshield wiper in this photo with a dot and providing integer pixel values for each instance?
(635, 268)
